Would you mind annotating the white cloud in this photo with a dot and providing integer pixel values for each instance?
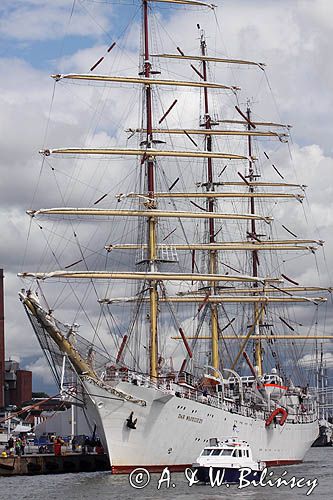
(41, 370)
(34, 20)
(310, 360)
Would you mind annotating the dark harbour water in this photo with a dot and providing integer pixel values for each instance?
(102, 485)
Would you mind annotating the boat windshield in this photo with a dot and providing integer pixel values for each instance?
(207, 451)
(227, 452)
(215, 452)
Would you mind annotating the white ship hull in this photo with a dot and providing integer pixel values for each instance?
(171, 431)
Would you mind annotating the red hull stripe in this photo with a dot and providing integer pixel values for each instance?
(276, 463)
(126, 469)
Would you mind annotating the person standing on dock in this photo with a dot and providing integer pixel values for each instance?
(23, 444)
(18, 449)
(99, 448)
(10, 444)
(57, 446)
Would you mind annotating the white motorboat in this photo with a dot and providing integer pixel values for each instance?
(225, 460)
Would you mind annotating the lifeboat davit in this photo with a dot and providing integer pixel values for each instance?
(275, 391)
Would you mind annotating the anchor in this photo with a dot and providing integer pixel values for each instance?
(131, 424)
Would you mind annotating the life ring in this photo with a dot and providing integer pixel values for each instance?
(276, 412)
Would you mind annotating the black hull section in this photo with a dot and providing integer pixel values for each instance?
(325, 437)
(321, 442)
(225, 475)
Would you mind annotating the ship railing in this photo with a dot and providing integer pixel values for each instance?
(221, 402)
(186, 391)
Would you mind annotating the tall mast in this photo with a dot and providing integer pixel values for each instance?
(150, 172)
(256, 317)
(210, 207)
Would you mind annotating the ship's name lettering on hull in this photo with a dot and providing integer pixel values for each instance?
(189, 418)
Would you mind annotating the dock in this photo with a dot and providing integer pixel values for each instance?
(50, 464)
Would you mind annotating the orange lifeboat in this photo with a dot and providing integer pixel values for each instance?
(277, 411)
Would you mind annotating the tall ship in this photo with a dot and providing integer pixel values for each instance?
(163, 300)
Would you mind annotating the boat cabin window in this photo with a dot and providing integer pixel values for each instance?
(227, 452)
(207, 451)
(216, 452)
(247, 453)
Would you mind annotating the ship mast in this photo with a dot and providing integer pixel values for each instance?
(150, 172)
(210, 208)
(262, 292)
(257, 316)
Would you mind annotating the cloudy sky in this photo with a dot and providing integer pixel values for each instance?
(42, 37)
